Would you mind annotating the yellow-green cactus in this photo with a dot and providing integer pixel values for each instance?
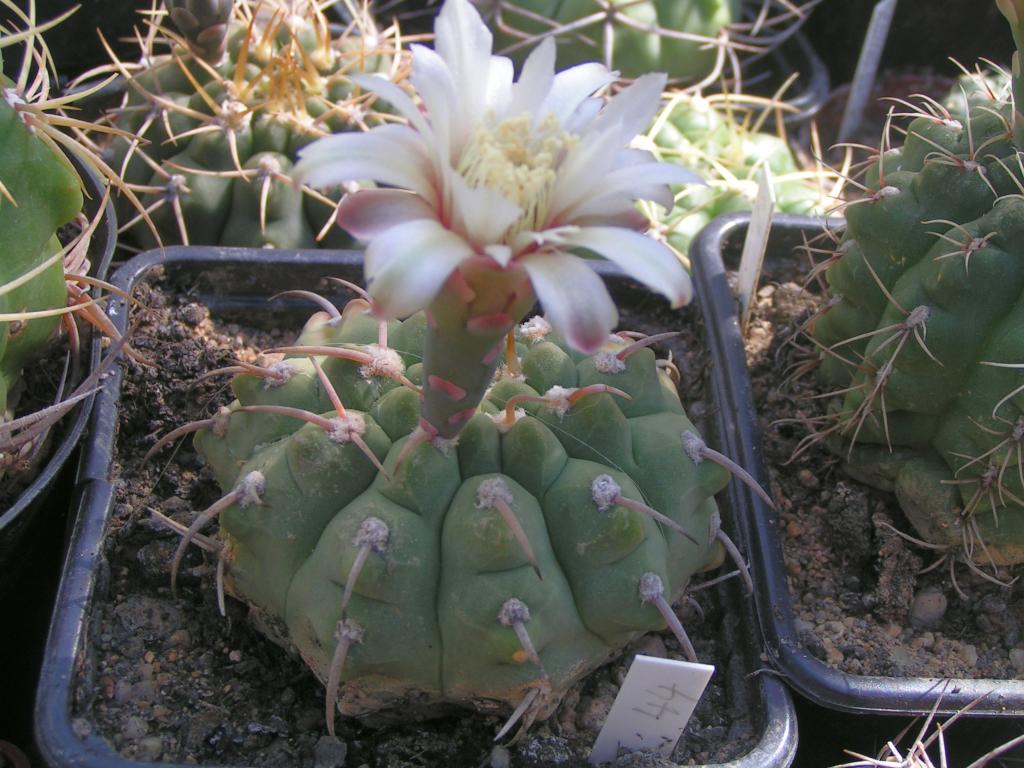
(223, 99)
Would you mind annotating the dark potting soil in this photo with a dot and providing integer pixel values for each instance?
(168, 679)
(863, 604)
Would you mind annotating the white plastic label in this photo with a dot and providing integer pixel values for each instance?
(652, 708)
(756, 244)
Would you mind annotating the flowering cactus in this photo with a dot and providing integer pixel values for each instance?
(459, 506)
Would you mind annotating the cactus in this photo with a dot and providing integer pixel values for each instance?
(722, 137)
(223, 108)
(459, 506)
(922, 332)
(694, 41)
(42, 278)
(487, 572)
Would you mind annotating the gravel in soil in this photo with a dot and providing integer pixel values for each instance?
(863, 604)
(167, 678)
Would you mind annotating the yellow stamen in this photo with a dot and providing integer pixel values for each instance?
(520, 161)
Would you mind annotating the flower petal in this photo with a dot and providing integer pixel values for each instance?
(433, 82)
(584, 168)
(480, 214)
(462, 39)
(641, 257)
(576, 303)
(631, 110)
(392, 154)
(408, 264)
(535, 80)
(572, 86)
(395, 96)
(648, 181)
(499, 84)
(368, 213)
(584, 115)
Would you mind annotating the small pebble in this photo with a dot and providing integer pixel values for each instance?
(500, 757)
(134, 728)
(1017, 659)
(993, 604)
(928, 607)
(235, 656)
(651, 645)
(149, 749)
(180, 638)
(969, 654)
(329, 752)
(807, 478)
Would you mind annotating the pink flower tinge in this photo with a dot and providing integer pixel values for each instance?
(523, 172)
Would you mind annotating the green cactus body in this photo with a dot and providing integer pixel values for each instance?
(633, 51)
(42, 193)
(926, 295)
(438, 604)
(724, 144)
(220, 137)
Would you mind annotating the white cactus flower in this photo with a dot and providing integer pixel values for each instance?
(520, 173)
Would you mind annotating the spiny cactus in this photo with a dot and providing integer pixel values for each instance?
(42, 279)
(922, 333)
(571, 512)
(223, 108)
(722, 137)
(694, 41)
(461, 507)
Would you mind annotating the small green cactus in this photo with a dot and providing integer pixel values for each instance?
(922, 332)
(223, 108)
(722, 137)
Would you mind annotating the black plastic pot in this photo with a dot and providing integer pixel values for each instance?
(758, 525)
(253, 275)
(25, 517)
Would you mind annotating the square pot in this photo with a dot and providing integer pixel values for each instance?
(253, 275)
